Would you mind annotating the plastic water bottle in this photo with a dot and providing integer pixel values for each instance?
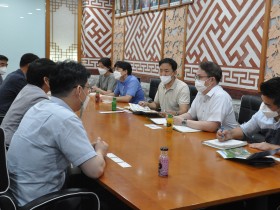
(97, 97)
(163, 162)
(169, 122)
(114, 104)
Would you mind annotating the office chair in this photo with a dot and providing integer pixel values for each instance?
(70, 199)
(250, 104)
(193, 92)
(248, 107)
(154, 82)
(1, 118)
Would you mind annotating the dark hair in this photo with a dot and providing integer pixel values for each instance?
(39, 69)
(116, 64)
(3, 57)
(212, 70)
(270, 88)
(125, 66)
(66, 76)
(27, 58)
(106, 62)
(170, 61)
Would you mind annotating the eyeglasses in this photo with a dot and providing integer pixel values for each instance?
(84, 86)
(197, 77)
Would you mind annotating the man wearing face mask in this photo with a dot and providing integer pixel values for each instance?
(128, 87)
(3, 66)
(36, 90)
(265, 121)
(51, 136)
(173, 95)
(14, 82)
(106, 83)
(212, 106)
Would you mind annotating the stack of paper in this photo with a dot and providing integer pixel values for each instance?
(184, 129)
(158, 121)
(225, 144)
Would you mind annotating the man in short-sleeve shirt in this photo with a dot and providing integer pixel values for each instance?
(173, 95)
(51, 136)
(212, 106)
(265, 122)
(128, 87)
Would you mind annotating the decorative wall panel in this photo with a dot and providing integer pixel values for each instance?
(228, 33)
(143, 37)
(118, 44)
(96, 31)
(63, 30)
(273, 50)
(174, 35)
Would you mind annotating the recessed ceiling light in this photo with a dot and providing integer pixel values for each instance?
(38, 9)
(29, 13)
(21, 17)
(4, 5)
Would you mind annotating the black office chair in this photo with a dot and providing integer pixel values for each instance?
(193, 92)
(248, 107)
(70, 199)
(1, 118)
(154, 82)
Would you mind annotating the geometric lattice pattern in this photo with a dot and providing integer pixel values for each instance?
(174, 36)
(70, 4)
(96, 31)
(63, 40)
(228, 33)
(143, 38)
(273, 49)
(57, 54)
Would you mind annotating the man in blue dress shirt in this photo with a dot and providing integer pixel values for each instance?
(51, 136)
(128, 87)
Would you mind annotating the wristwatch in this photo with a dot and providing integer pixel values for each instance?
(184, 122)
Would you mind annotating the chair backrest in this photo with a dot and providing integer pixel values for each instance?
(7, 201)
(4, 180)
(250, 104)
(70, 199)
(154, 82)
(193, 92)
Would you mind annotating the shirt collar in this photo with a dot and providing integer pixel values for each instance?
(173, 86)
(212, 91)
(60, 102)
(126, 79)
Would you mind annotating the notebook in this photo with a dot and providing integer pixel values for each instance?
(225, 144)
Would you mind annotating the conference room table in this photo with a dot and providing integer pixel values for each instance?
(198, 176)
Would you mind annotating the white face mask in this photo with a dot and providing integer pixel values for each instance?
(102, 71)
(84, 104)
(117, 75)
(3, 70)
(200, 86)
(165, 79)
(267, 111)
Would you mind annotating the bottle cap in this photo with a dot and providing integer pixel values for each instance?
(169, 115)
(164, 148)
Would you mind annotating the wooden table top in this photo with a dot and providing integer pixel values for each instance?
(198, 176)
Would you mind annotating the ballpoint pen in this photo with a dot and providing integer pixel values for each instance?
(222, 130)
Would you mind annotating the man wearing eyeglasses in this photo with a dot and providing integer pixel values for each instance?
(3, 66)
(212, 106)
(51, 136)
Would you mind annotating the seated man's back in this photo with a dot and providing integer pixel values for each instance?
(35, 91)
(51, 136)
(14, 82)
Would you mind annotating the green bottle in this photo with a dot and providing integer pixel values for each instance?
(114, 104)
